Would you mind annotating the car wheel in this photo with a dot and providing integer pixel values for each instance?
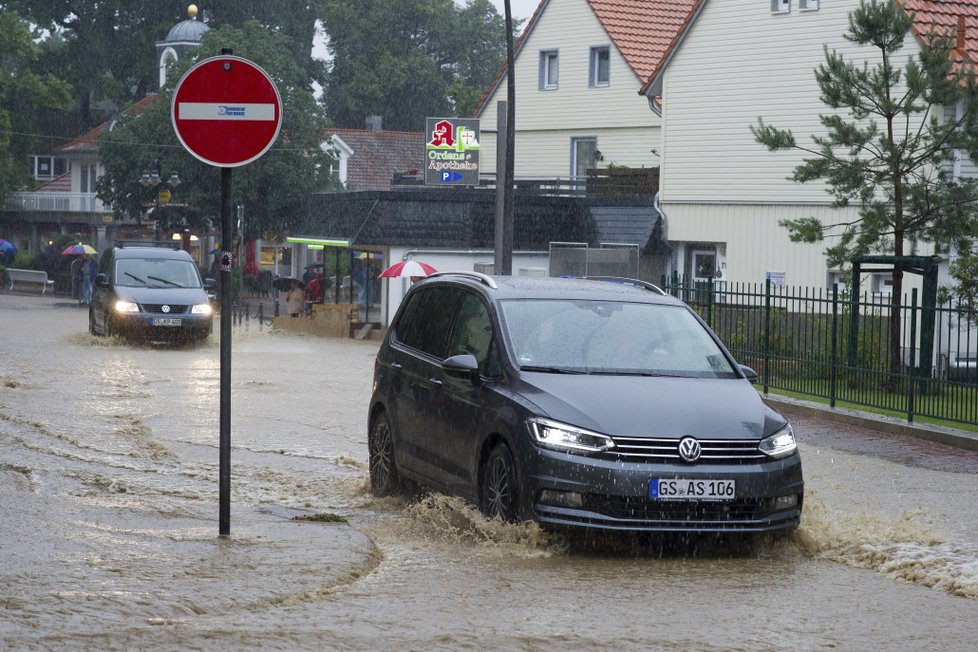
(499, 491)
(384, 479)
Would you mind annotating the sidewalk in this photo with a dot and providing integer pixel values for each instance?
(940, 434)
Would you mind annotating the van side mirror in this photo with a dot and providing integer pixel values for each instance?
(210, 284)
(101, 279)
(464, 364)
(749, 373)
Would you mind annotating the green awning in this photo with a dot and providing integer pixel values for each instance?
(319, 242)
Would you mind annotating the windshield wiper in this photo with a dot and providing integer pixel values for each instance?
(551, 370)
(163, 280)
(136, 277)
(627, 372)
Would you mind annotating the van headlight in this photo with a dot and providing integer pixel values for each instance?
(126, 306)
(201, 309)
(780, 444)
(567, 438)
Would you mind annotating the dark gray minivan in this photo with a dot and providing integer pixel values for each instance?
(578, 404)
(150, 290)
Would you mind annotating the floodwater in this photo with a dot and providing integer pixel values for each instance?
(108, 524)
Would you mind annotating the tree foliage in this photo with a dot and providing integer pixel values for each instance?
(28, 97)
(888, 148)
(108, 46)
(405, 60)
(272, 189)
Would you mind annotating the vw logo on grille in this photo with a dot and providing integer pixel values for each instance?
(165, 308)
(689, 449)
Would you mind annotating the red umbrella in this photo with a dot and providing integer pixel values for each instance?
(408, 268)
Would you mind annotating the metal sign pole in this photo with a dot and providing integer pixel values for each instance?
(224, 499)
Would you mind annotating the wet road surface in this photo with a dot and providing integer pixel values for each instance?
(108, 524)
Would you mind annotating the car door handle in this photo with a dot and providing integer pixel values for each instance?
(395, 366)
(436, 382)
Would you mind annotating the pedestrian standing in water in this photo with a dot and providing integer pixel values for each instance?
(296, 299)
(87, 274)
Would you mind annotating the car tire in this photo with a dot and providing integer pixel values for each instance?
(499, 487)
(384, 478)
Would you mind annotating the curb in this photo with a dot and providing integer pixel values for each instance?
(942, 435)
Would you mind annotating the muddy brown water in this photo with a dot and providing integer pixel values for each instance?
(108, 524)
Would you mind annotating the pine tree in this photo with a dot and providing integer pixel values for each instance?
(888, 149)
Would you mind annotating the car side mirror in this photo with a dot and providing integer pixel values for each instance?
(101, 279)
(464, 364)
(749, 373)
(210, 284)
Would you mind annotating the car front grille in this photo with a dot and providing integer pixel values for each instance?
(646, 509)
(175, 309)
(715, 451)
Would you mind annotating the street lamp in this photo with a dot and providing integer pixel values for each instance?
(152, 179)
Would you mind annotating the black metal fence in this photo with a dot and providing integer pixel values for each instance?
(832, 345)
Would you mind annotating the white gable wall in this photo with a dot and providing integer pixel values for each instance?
(546, 120)
(720, 186)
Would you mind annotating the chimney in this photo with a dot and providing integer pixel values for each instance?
(375, 123)
(960, 43)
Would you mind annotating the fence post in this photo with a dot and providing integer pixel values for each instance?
(833, 369)
(912, 373)
(854, 316)
(767, 333)
(709, 302)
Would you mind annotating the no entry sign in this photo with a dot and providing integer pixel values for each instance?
(226, 111)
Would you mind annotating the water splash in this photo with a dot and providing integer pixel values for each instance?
(454, 520)
(902, 548)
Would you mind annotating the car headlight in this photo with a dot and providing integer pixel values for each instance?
(126, 306)
(780, 444)
(201, 309)
(563, 437)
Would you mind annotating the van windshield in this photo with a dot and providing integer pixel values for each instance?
(157, 272)
(613, 337)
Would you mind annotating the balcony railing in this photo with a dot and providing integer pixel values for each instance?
(68, 202)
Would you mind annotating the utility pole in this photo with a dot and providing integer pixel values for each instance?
(506, 124)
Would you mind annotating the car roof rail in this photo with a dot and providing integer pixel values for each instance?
(621, 279)
(163, 244)
(485, 279)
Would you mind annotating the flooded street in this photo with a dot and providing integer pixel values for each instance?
(109, 508)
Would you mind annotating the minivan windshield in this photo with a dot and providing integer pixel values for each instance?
(610, 337)
(156, 273)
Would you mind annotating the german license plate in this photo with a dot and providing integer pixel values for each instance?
(165, 321)
(687, 489)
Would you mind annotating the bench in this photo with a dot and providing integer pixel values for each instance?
(29, 276)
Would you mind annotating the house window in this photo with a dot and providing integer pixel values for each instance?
(48, 167)
(87, 180)
(584, 156)
(808, 5)
(600, 74)
(549, 68)
(780, 6)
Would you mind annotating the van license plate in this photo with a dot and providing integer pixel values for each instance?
(165, 321)
(686, 489)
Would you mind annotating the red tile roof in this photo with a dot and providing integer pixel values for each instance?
(642, 30)
(959, 18)
(89, 142)
(377, 155)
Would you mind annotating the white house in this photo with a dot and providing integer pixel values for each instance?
(579, 65)
(721, 192)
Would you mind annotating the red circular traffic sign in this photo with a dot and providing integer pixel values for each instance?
(226, 111)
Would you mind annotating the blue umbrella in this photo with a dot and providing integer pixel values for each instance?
(7, 247)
